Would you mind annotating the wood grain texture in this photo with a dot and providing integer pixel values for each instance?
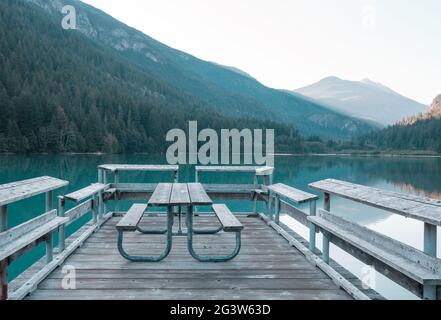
(86, 192)
(293, 194)
(399, 256)
(131, 219)
(423, 209)
(198, 195)
(229, 222)
(267, 268)
(161, 195)
(21, 190)
(136, 167)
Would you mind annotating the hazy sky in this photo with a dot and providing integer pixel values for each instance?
(292, 43)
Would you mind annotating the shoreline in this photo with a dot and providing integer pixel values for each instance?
(343, 154)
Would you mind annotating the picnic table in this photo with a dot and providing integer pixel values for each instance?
(179, 195)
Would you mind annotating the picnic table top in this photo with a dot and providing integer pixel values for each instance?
(20, 190)
(411, 206)
(179, 194)
(138, 167)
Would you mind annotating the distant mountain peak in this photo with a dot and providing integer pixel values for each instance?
(330, 79)
(365, 99)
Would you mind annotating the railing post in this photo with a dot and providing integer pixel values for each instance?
(4, 279)
(277, 210)
(429, 292)
(325, 250)
(4, 218)
(116, 192)
(4, 263)
(430, 239)
(104, 182)
(49, 248)
(100, 175)
(266, 183)
(176, 176)
(256, 186)
(49, 200)
(61, 230)
(327, 202)
(312, 229)
(94, 209)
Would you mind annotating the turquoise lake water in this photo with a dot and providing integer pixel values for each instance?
(413, 175)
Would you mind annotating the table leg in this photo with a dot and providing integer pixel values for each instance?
(180, 220)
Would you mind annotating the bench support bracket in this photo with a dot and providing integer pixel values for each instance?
(208, 258)
(170, 218)
(430, 239)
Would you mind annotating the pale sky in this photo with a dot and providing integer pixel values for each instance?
(288, 44)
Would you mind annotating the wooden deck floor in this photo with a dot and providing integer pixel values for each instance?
(267, 268)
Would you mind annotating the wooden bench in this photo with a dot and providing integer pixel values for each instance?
(410, 206)
(132, 218)
(282, 191)
(86, 192)
(383, 251)
(229, 222)
(19, 240)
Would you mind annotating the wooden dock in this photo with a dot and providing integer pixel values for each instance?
(267, 268)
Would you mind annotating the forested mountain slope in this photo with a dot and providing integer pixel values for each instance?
(222, 89)
(60, 92)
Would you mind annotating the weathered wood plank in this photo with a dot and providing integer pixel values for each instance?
(22, 229)
(79, 211)
(293, 194)
(186, 294)
(401, 257)
(180, 195)
(130, 221)
(401, 204)
(251, 169)
(198, 195)
(13, 192)
(138, 167)
(24, 239)
(226, 218)
(161, 195)
(86, 192)
(267, 268)
(208, 284)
